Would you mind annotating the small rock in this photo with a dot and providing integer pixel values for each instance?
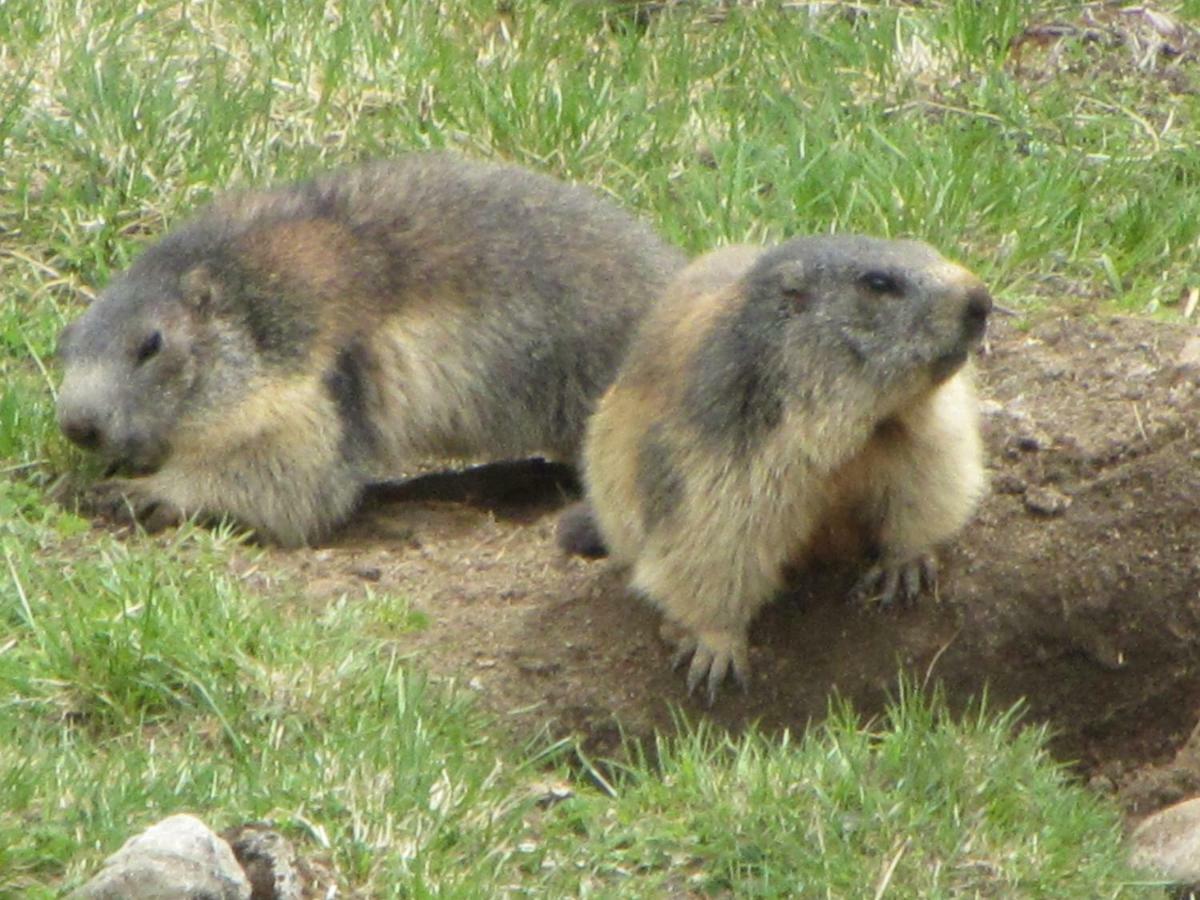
(1189, 355)
(177, 857)
(535, 666)
(1008, 483)
(269, 861)
(1046, 501)
(1168, 843)
(1024, 433)
(1054, 370)
(368, 573)
(1032, 439)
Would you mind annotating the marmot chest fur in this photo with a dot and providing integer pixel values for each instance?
(266, 360)
(772, 398)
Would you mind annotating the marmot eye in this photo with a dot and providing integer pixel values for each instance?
(150, 346)
(881, 283)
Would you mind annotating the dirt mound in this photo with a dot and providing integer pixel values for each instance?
(1077, 587)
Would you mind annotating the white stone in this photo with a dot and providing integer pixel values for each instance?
(177, 857)
(1168, 843)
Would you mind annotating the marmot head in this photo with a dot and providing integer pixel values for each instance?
(842, 325)
(896, 311)
(152, 354)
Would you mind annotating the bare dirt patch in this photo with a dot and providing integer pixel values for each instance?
(1077, 587)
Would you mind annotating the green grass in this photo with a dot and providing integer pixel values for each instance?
(916, 805)
(140, 679)
(143, 677)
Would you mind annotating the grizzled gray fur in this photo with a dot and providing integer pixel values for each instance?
(266, 360)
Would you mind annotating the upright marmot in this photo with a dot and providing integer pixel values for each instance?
(773, 407)
(266, 360)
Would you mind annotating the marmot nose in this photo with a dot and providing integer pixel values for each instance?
(81, 429)
(979, 306)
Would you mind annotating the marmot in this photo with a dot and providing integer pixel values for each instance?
(779, 406)
(269, 358)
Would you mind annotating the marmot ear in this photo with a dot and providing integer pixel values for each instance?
(201, 290)
(791, 278)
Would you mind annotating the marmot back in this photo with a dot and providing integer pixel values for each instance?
(772, 400)
(266, 360)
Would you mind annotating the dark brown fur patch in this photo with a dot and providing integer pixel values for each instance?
(890, 431)
(734, 395)
(348, 384)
